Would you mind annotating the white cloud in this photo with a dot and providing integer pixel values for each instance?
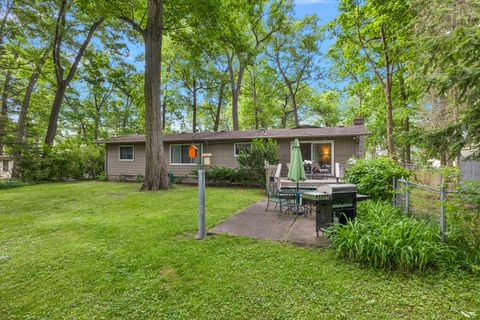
(305, 2)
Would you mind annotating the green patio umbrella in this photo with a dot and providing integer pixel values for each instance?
(296, 172)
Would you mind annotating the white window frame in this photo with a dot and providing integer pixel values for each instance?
(124, 146)
(332, 143)
(235, 147)
(184, 144)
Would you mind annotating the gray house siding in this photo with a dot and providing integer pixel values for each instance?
(470, 170)
(223, 155)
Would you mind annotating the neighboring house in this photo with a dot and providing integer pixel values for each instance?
(6, 166)
(125, 155)
(469, 168)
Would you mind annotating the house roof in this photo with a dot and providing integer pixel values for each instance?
(302, 132)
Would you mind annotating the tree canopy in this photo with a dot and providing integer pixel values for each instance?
(79, 71)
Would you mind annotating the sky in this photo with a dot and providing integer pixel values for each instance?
(326, 10)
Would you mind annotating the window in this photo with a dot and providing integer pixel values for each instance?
(237, 147)
(5, 166)
(179, 154)
(126, 153)
(321, 153)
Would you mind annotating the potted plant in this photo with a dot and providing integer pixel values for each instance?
(307, 165)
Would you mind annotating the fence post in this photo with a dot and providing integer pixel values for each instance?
(407, 197)
(443, 225)
(201, 204)
(394, 187)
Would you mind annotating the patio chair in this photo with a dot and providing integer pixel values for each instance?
(274, 196)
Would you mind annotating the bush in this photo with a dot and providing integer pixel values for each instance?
(61, 163)
(225, 176)
(382, 237)
(463, 222)
(253, 160)
(375, 176)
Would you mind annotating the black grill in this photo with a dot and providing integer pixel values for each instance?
(331, 202)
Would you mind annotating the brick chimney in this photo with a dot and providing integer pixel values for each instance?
(358, 121)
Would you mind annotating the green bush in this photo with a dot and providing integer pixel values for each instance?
(61, 163)
(253, 160)
(225, 176)
(463, 222)
(375, 176)
(382, 237)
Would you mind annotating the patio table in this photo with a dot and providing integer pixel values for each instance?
(291, 191)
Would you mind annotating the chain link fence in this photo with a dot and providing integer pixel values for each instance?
(422, 201)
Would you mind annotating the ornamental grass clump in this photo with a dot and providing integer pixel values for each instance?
(382, 237)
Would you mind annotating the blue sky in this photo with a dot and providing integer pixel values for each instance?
(326, 10)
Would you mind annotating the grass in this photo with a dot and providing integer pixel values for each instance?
(103, 250)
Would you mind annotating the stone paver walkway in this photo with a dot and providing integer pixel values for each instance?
(254, 222)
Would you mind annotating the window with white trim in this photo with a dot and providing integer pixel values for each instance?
(238, 147)
(179, 154)
(126, 153)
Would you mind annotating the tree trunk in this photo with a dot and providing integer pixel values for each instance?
(285, 113)
(164, 113)
(55, 112)
(219, 107)
(390, 141)
(62, 83)
(4, 108)
(32, 82)
(255, 101)
(235, 86)
(156, 175)
(194, 115)
(406, 121)
(290, 90)
(388, 95)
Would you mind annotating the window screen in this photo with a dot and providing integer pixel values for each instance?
(179, 154)
(126, 153)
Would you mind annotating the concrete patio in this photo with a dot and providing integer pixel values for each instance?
(255, 222)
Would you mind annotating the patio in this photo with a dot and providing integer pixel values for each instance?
(255, 222)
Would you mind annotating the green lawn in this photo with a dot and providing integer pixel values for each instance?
(103, 250)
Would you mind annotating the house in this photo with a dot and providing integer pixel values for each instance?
(6, 166)
(469, 168)
(125, 155)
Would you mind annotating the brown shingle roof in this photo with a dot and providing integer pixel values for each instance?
(346, 131)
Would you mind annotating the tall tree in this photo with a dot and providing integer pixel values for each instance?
(255, 23)
(156, 175)
(6, 91)
(32, 82)
(293, 51)
(371, 30)
(62, 80)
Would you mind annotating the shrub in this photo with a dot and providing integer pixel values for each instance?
(61, 163)
(463, 222)
(382, 237)
(375, 176)
(225, 175)
(253, 160)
